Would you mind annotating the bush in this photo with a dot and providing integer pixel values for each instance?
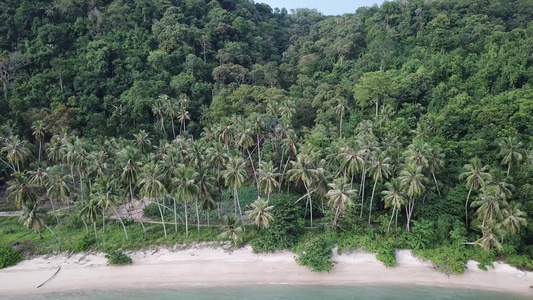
(448, 259)
(522, 262)
(84, 242)
(151, 211)
(315, 253)
(117, 258)
(9, 256)
(422, 234)
(386, 254)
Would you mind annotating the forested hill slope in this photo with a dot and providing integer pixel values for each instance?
(439, 89)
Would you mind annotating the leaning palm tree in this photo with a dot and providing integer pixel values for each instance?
(303, 170)
(513, 218)
(340, 110)
(152, 188)
(394, 197)
(234, 176)
(186, 189)
(21, 190)
(267, 175)
(260, 213)
(232, 230)
(32, 218)
(16, 151)
(475, 176)
(412, 181)
(340, 197)
(490, 203)
(38, 134)
(512, 152)
(379, 168)
(90, 212)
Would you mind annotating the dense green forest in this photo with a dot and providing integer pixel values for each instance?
(405, 125)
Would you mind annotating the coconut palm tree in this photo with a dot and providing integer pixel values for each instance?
(38, 134)
(244, 140)
(476, 175)
(340, 197)
(171, 110)
(267, 175)
(417, 153)
(90, 212)
(16, 151)
(489, 203)
(21, 190)
(260, 213)
(183, 117)
(394, 197)
(435, 163)
(491, 235)
(55, 150)
(129, 161)
(206, 189)
(234, 176)
(340, 110)
(158, 109)
(185, 189)
(351, 162)
(289, 148)
(32, 218)
(512, 152)
(152, 188)
(143, 141)
(287, 110)
(513, 218)
(303, 170)
(232, 230)
(379, 168)
(107, 194)
(412, 181)
(58, 186)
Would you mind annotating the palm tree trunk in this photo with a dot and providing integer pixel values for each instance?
(283, 174)
(396, 225)
(258, 150)
(103, 219)
(253, 169)
(50, 229)
(175, 217)
(436, 184)
(371, 200)
(162, 218)
(239, 205)
(310, 201)
(131, 200)
(392, 216)
(377, 108)
(85, 224)
(363, 179)
(509, 169)
(336, 216)
(466, 204)
(173, 131)
(340, 128)
(208, 213)
(123, 226)
(197, 214)
(54, 210)
(40, 149)
(94, 226)
(186, 219)
(39, 232)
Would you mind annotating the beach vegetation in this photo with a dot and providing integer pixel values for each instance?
(118, 258)
(9, 256)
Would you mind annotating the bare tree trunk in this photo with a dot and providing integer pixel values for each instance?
(371, 200)
(186, 219)
(197, 214)
(123, 226)
(392, 216)
(436, 184)
(466, 204)
(163, 219)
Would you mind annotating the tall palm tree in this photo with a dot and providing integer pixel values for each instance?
(512, 152)
(379, 168)
(90, 212)
(289, 148)
(417, 153)
(152, 188)
(267, 175)
(244, 140)
(435, 163)
(55, 150)
(16, 151)
(303, 170)
(351, 162)
(340, 110)
(232, 230)
(21, 190)
(287, 110)
(340, 197)
(171, 110)
(513, 218)
(206, 189)
(183, 117)
(489, 203)
(476, 175)
(185, 189)
(234, 176)
(38, 134)
(394, 197)
(129, 160)
(412, 180)
(158, 109)
(491, 235)
(260, 213)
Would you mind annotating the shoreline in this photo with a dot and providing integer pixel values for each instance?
(210, 267)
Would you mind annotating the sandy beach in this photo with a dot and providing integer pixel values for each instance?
(211, 266)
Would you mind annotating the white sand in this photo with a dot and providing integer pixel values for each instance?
(204, 265)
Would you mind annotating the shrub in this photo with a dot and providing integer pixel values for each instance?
(151, 211)
(84, 242)
(9, 256)
(448, 259)
(117, 258)
(386, 254)
(315, 253)
(522, 262)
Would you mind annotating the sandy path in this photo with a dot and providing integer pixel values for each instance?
(211, 266)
